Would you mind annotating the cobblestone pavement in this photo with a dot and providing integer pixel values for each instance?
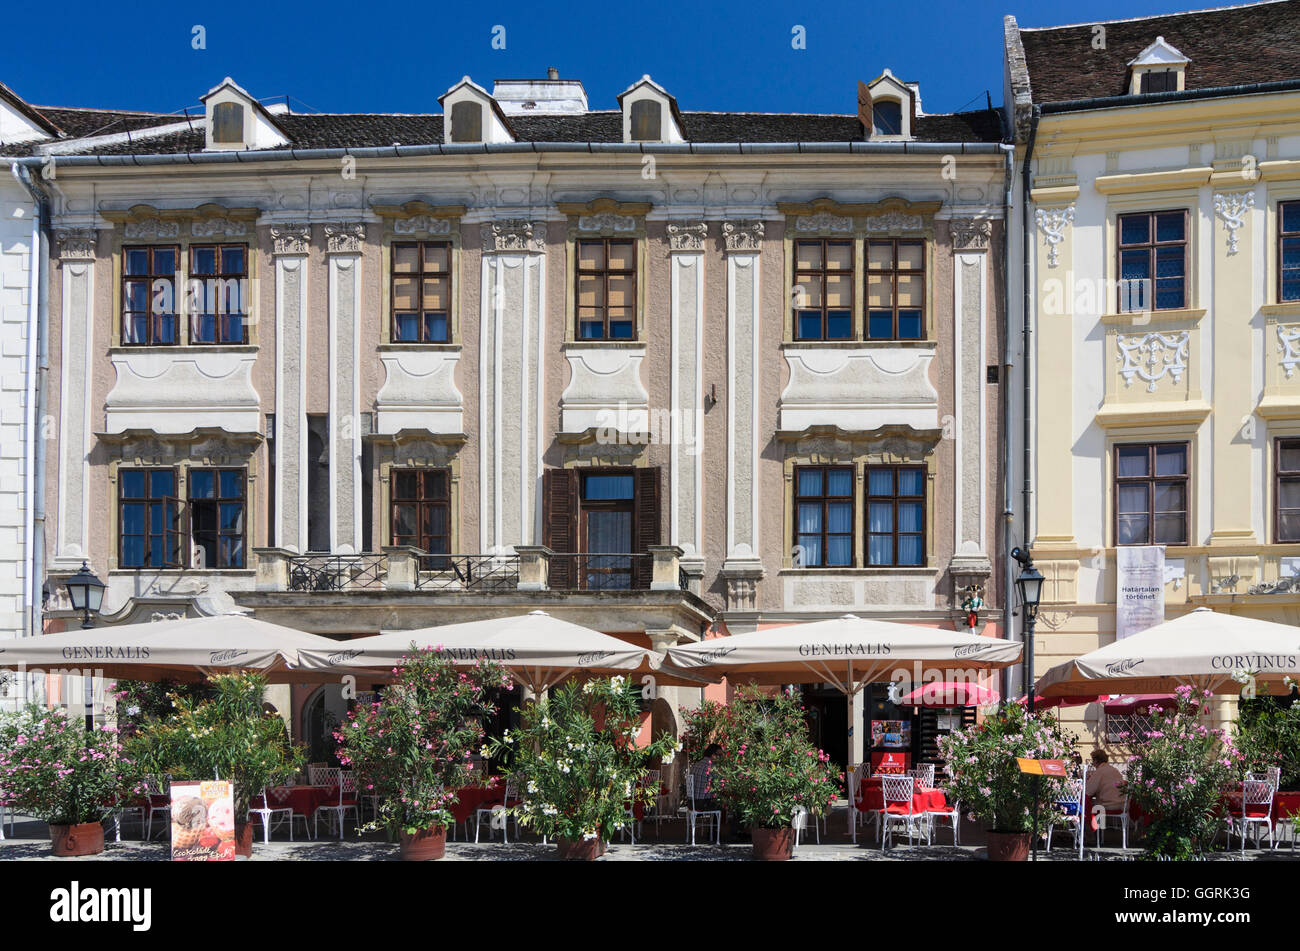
(31, 842)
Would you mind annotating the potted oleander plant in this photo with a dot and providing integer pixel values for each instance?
(769, 769)
(227, 734)
(986, 778)
(577, 766)
(412, 748)
(53, 768)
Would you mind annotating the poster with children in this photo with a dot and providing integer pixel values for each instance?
(203, 821)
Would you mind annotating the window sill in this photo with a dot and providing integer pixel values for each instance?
(185, 348)
(605, 345)
(856, 344)
(875, 570)
(400, 347)
(1142, 318)
(222, 572)
(1289, 308)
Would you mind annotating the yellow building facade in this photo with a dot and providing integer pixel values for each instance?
(1159, 190)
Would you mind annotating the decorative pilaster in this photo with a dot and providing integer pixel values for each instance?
(511, 382)
(743, 241)
(77, 264)
(970, 244)
(1053, 223)
(289, 247)
(343, 250)
(686, 460)
(1053, 358)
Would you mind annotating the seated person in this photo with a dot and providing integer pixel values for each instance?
(706, 795)
(1104, 782)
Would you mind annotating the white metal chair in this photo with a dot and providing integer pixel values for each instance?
(856, 814)
(318, 774)
(1256, 810)
(924, 772)
(267, 816)
(900, 807)
(158, 791)
(489, 812)
(696, 788)
(1108, 817)
(1074, 793)
(799, 822)
(347, 802)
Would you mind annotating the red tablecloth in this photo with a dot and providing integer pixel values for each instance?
(473, 798)
(1284, 804)
(872, 797)
(303, 800)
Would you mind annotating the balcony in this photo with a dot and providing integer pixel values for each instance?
(399, 586)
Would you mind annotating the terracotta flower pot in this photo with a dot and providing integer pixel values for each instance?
(85, 838)
(579, 850)
(244, 840)
(426, 845)
(773, 845)
(1008, 846)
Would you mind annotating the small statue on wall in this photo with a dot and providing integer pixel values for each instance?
(972, 604)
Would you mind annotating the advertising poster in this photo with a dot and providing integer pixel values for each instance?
(1140, 588)
(890, 762)
(891, 734)
(203, 821)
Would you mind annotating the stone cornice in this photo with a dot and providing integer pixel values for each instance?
(416, 209)
(404, 437)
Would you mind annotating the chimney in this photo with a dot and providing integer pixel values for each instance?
(552, 72)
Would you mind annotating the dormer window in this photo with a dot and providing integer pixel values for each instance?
(228, 123)
(1158, 68)
(467, 122)
(646, 120)
(470, 115)
(886, 117)
(893, 104)
(650, 114)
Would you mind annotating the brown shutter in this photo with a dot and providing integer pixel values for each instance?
(646, 525)
(560, 523)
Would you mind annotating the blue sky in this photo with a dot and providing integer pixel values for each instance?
(345, 56)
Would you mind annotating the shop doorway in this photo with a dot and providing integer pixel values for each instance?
(827, 712)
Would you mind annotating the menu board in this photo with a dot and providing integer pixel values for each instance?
(890, 762)
(891, 734)
(203, 821)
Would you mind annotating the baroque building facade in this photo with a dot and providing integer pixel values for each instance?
(665, 373)
(1160, 267)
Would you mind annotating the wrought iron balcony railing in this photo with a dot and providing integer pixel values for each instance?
(467, 572)
(337, 572)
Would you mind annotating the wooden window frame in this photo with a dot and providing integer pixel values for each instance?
(1150, 479)
(820, 275)
(179, 533)
(825, 501)
(218, 500)
(1280, 476)
(895, 498)
(152, 329)
(894, 272)
(421, 503)
(1282, 238)
(605, 273)
(220, 275)
(1151, 247)
(419, 275)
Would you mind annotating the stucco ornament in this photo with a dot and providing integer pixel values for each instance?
(1052, 222)
(687, 235)
(971, 234)
(894, 221)
(344, 238)
(742, 235)
(76, 243)
(1150, 357)
(1233, 208)
(1288, 344)
(290, 239)
(152, 228)
(217, 227)
(823, 222)
(422, 224)
(606, 221)
(514, 234)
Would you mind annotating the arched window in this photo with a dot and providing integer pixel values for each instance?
(227, 123)
(886, 117)
(646, 116)
(467, 122)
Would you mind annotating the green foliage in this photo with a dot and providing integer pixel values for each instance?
(138, 701)
(1178, 773)
(986, 778)
(768, 765)
(703, 726)
(1268, 734)
(52, 768)
(227, 736)
(576, 762)
(412, 748)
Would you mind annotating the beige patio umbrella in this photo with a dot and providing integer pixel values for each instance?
(1203, 648)
(185, 649)
(539, 651)
(849, 652)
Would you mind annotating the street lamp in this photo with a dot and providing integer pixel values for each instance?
(1029, 588)
(87, 594)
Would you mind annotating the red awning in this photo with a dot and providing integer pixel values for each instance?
(1139, 703)
(949, 694)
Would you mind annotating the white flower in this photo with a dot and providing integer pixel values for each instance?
(133, 710)
(617, 682)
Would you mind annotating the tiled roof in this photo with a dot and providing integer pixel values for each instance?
(1227, 46)
(361, 130)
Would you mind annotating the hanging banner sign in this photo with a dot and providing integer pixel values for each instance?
(1042, 767)
(203, 821)
(1139, 589)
